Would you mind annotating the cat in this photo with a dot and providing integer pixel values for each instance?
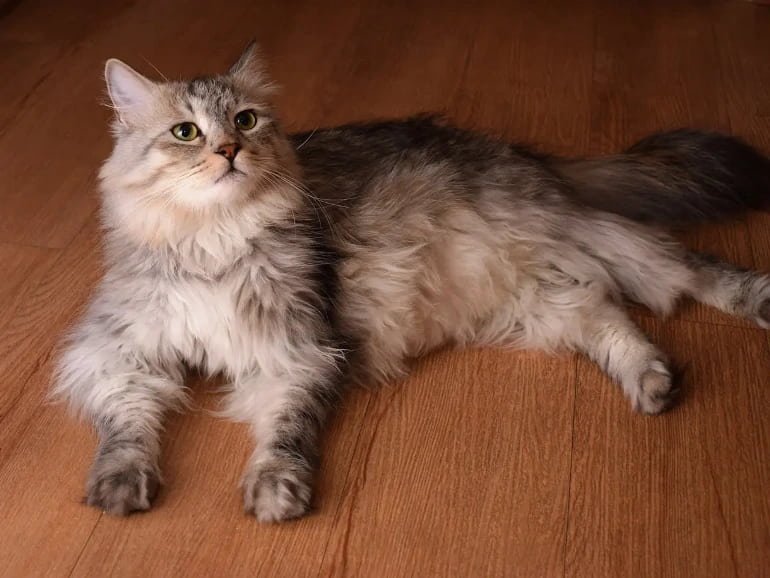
(297, 265)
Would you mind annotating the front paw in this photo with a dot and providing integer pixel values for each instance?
(120, 487)
(275, 489)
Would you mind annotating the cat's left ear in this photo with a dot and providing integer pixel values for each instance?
(250, 70)
(131, 93)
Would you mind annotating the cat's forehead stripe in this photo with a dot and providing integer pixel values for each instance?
(216, 96)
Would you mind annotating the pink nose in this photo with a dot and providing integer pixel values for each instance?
(229, 151)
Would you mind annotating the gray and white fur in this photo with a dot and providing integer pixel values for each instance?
(294, 265)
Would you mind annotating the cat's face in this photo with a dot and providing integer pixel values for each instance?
(209, 143)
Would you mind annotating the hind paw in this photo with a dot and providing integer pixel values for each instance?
(762, 318)
(655, 392)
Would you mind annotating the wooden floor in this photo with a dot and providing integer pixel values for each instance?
(483, 463)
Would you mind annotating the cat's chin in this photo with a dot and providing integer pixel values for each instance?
(230, 175)
(225, 191)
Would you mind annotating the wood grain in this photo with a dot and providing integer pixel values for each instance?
(482, 463)
(514, 66)
(51, 123)
(433, 494)
(18, 264)
(199, 525)
(46, 526)
(656, 66)
(51, 298)
(740, 34)
(684, 494)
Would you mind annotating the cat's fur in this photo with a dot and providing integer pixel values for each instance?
(341, 254)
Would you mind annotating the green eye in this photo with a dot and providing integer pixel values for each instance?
(186, 131)
(246, 120)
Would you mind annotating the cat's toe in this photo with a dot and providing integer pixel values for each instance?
(275, 490)
(656, 392)
(123, 489)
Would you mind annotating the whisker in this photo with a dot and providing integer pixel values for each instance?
(288, 179)
(163, 76)
(304, 142)
(302, 190)
(271, 176)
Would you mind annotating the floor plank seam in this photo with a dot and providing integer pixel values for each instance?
(346, 486)
(721, 513)
(20, 437)
(41, 358)
(575, 383)
(60, 249)
(85, 545)
(721, 73)
(39, 361)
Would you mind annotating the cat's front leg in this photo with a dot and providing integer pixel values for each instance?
(125, 395)
(287, 415)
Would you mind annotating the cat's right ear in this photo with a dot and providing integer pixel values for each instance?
(130, 92)
(249, 71)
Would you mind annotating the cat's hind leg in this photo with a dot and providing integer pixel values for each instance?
(730, 288)
(652, 268)
(610, 338)
(584, 317)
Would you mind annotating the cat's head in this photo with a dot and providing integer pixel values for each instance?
(193, 148)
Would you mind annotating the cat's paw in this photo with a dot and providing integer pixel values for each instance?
(656, 391)
(275, 490)
(755, 299)
(762, 317)
(122, 488)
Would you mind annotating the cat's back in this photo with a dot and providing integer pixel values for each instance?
(340, 164)
(361, 145)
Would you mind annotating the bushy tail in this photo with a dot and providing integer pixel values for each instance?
(672, 178)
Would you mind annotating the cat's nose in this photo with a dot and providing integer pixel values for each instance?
(229, 151)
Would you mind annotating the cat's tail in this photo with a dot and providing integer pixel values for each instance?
(672, 178)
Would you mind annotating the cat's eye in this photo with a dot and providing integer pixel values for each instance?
(246, 120)
(185, 131)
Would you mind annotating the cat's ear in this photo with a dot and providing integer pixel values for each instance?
(250, 70)
(130, 92)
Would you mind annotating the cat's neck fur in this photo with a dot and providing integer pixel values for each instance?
(200, 242)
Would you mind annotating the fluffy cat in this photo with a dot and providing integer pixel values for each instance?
(294, 265)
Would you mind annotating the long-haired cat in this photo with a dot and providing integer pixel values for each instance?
(294, 265)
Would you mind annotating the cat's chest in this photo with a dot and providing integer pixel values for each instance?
(209, 324)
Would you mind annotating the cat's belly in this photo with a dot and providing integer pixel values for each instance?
(410, 296)
(462, 280)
